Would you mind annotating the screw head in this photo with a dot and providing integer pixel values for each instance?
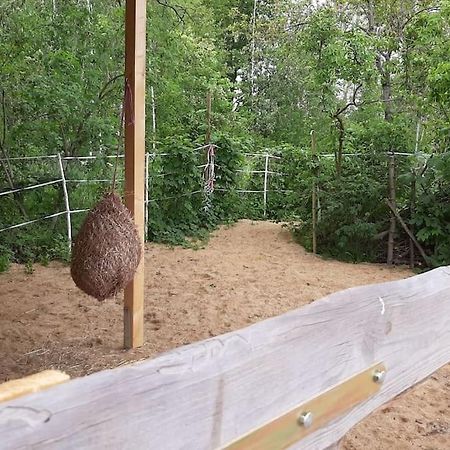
(306, 419)
(379, 376)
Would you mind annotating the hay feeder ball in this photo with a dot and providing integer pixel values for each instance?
(107, 249)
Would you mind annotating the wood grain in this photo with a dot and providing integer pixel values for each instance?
(208, 394)
(135, 44)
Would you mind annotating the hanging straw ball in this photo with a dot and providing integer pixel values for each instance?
(107, 249)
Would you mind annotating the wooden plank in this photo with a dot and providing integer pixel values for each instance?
(287, 429)
(33, 383)
(205, 395)
(135, 47)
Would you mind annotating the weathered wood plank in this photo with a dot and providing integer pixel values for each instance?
(206, 395)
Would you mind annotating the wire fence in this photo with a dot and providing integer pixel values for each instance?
(210, 169)
(209, 175)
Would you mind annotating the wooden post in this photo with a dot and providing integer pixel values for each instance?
(314, 194)
(135, 42)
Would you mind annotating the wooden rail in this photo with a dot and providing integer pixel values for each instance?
(210, 394)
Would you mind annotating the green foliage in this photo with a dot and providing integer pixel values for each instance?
(432, 215)
(5, 258)
(369, 78)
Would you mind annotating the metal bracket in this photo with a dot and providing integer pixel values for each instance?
(314, 414)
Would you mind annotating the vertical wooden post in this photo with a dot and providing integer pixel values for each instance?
(314, 194)
(135, 48)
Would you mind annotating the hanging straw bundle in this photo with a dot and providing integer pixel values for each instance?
(107, 249)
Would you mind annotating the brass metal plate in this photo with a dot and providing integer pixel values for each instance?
(286, 430)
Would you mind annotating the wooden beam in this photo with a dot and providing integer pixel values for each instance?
(135, 67)
(33, 383)
(206, 395)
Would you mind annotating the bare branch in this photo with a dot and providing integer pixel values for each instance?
(180, 11)
(417, 13)
(351, 103)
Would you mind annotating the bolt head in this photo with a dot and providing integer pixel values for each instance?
(306, 419)
(379, 376)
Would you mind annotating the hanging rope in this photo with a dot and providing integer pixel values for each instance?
(127, 104)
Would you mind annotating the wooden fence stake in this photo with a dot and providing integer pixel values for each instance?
(135, 43)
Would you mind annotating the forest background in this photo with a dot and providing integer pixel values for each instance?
(370, 78)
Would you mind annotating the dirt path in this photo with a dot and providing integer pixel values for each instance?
(246, 273)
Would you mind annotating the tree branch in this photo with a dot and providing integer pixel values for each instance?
(417, 13)
(180, 11)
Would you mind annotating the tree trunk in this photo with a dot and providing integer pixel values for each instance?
(5, 162)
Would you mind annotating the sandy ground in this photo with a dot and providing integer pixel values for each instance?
(246, 273)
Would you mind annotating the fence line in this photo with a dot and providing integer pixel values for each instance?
(92, 181)
(27, 188)
(26, 158)
(148, 158)
(174, 196)
(33, 221)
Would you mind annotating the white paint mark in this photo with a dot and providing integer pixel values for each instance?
(383, 306)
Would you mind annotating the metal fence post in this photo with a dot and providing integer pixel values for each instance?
(66, 201)
(266, 175)
(146, 197)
